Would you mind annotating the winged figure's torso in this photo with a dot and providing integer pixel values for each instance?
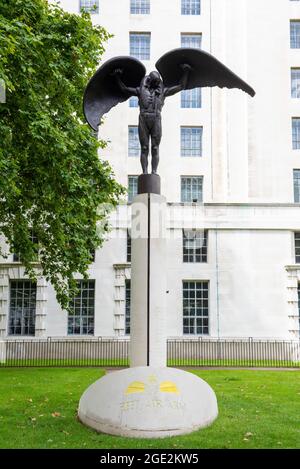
(151, 100)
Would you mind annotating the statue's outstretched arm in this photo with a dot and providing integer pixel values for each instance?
(126, 89)
(182, 85)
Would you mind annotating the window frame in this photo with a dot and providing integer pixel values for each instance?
(89, 8)
(193, 200)
(190, 36)
(296, 187)
(191, 7)
(128, 246)
(295, 88)
(79, 296)
(32, 315)
(191, 152)
(195, 316)
(131, 177)
(140, 55)
(190, 256)
(294, 35)
(297, 248)
(296, 133)
(127, 307)
(134, 147)
(187, 100)
(140, 7)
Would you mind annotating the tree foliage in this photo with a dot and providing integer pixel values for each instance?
(51, 178)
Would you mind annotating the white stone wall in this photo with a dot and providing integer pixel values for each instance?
(247, 166)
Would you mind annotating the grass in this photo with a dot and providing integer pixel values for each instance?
(257, 409)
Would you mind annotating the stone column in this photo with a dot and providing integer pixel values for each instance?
(148, 281)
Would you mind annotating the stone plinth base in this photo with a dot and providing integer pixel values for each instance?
(148, 402)
(149, 184)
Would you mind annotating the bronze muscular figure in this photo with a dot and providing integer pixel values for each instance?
(151, 94)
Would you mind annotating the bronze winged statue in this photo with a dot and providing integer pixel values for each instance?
(180, 69)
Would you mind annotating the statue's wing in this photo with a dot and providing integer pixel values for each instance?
(206, 70)
(102, 91)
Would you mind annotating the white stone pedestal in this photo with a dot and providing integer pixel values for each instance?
(148, 402)
(148, 345)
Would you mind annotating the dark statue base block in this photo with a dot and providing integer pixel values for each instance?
(149, 184)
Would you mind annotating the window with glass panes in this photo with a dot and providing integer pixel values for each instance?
(297, 248)
(133, 141)
(82, 309)
(295, 82)
(191, 189)
(191, 98)
(295, 34)
(127, 306)
(296, 133)
(190, 7)
(132, 187)
(140, 7)
(91, 6)
(22, 307)
(297, 186)
(133, 101)
(191, 141)
(140, 45)
(194, 245)
(195, 307)
(193, 41)
(128, 246)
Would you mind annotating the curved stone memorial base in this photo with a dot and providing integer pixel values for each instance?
(148, 402)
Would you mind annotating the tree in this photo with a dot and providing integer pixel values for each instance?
(52, 181)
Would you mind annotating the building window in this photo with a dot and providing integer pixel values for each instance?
(35, 242)
(133, 101)
(90, 6)
(134, 148)
(191, 189)
(190, 7)
(81, 316)
(127, 306)
(132, 187)
(22, 307)
(297, 186)
(191, 141)
(194, 245)
(140, 7)
(295, 34)
(140, 45)
(191, 40)
(195, 307)
(296, 133)
(191, 98)
(128, 246)
(297, 248)
(295, 82)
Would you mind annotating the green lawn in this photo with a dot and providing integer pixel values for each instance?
(258, 409)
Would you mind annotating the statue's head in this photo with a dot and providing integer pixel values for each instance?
(155, 79)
